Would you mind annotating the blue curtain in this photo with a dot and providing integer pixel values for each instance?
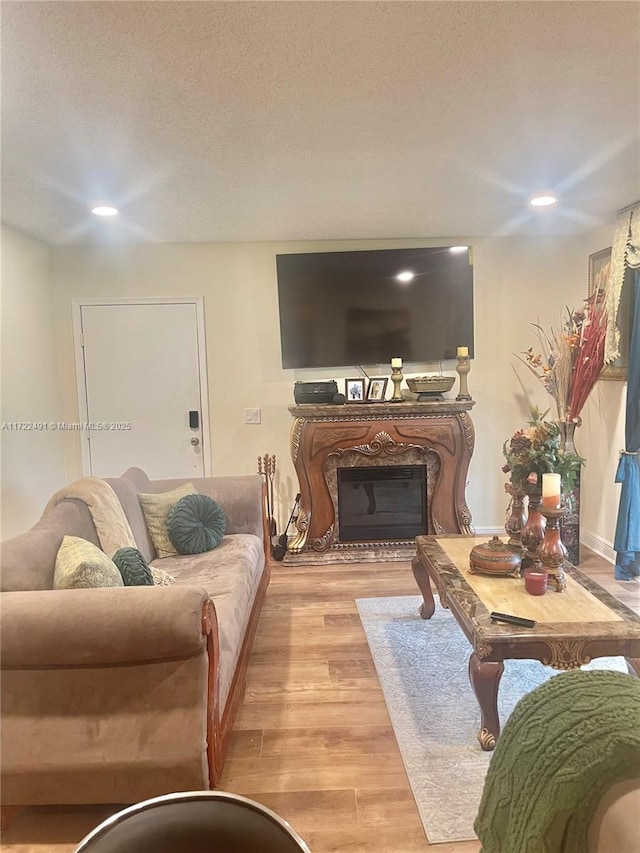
(627, 538)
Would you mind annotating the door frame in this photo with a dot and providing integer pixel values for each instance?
(81, 384)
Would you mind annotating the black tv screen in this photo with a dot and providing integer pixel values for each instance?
(350, 308)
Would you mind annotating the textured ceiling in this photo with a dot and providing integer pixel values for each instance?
(215, 121)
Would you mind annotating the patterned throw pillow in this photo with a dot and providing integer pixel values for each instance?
(156, 509)
(133, 567)
(195, 524)
(162, 578)
(80, 565)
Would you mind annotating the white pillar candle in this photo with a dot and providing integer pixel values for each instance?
(396, 362)
(551, 490)
(463, 352)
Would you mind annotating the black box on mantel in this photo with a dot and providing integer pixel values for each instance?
(315, 392)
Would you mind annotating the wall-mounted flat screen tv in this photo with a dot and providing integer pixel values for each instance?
(351, 308)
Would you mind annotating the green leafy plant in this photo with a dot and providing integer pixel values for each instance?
(535, 451)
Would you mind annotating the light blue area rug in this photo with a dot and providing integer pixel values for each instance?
(422, 666)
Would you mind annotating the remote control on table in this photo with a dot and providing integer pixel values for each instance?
(512, 620)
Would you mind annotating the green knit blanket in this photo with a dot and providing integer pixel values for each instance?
(565, 744)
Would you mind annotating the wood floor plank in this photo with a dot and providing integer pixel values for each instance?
(334, 690)
(318, 651)
(337, 740)
(294, 715)
(390, 807)
(311, 810)
(319, 771)
(288, 671)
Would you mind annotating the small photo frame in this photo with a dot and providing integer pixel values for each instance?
(376, 389)
(354, 390)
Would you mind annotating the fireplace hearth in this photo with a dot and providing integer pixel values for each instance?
(374, 476)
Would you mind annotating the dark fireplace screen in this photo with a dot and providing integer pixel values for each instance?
(385, 502)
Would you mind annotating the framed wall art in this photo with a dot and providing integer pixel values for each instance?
(599, 268)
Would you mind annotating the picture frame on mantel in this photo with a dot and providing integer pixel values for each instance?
(599, 268)
(354, 390)
(377, 389)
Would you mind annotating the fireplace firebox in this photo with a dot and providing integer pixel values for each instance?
(382, 503)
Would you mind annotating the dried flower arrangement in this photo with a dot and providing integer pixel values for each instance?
(535, 451)
(571, 358)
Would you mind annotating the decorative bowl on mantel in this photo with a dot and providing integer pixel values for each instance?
(430, 387)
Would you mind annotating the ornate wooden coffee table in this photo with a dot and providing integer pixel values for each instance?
(573, 626)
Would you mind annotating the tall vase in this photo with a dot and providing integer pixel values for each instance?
(533, 532)
(570, 523)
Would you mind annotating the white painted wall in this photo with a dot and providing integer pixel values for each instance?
(517, 281)
(32, 460)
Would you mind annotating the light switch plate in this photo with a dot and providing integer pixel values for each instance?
(252, 416)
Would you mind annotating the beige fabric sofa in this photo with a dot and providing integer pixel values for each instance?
(119, 694)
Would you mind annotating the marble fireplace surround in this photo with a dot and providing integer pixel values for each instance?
(324, 438)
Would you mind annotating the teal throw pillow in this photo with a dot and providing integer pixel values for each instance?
(133, 567)
(195, 524)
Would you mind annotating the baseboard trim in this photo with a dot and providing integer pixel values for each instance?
(489, 531)
(598, 545)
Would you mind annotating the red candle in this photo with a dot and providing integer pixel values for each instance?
(535, 582)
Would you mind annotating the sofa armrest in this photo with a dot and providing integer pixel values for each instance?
(106, 626)
(240, 497)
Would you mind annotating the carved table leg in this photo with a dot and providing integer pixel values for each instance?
(422, 579)
(485, 679)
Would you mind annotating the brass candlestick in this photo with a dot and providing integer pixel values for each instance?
(462, 369)
(552, 553)
(396, 378)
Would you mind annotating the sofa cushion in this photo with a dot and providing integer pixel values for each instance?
(195, 524)
(133, 567)
(156, 508)
(80, 564)
(231, 575)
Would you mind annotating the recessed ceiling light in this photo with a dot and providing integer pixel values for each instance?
(543, 200)
(457, 249)
(407, 275)
(105, 210)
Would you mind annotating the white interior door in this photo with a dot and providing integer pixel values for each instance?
(142, 366)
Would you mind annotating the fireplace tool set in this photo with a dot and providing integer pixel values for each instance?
(267, 469)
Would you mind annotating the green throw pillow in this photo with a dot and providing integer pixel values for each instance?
(133, 567)
(195, 524)
(80, 564)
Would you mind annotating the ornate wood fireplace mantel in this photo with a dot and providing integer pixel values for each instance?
(324, 438)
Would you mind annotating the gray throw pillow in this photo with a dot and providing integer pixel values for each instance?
(195, 524)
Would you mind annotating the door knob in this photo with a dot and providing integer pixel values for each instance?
(195, 441)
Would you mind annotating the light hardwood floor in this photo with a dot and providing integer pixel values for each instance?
(313, 739)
